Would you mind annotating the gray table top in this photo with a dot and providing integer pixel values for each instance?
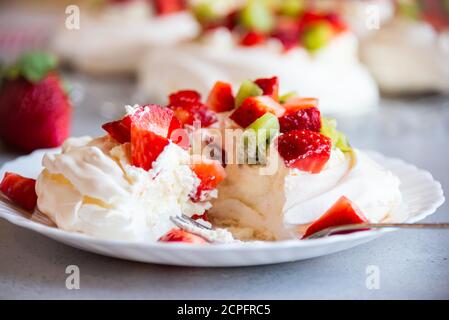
(411, 264)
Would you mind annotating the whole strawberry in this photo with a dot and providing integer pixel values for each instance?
(35, 111)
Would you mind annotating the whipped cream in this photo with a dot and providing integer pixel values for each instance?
(407, 56)
(91, 188)
(114, 39)
(333, 73)
(280, 206)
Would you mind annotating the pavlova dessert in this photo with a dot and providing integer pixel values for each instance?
(113, 34)
(312, 52)
(252, 164)
(410, 53)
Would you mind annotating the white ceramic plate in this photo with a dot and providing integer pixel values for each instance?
(422, 196)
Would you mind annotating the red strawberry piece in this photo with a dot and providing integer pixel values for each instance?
(287, 32)
(298, 103)
(189, 112)
(343, 212)
(252, 38)
(120, 130)
(179, 235)
(150, 127)
(169, 6)
(20, 190)
(185, 96)
(304, 119)
(177, 134)
(269, 86)
(305, 150)
(221, 98)
(211, 173)
(310, 17)
(336, 22)
(34, 115)
(203, 216)
(253, 108)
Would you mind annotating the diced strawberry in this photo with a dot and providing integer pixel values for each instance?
(336, 21)
(120, 130)
(252, 38)
(253, 108)
(305, 150)
(169, 6)
(221, 98)
(179, 235)
(343, 212)
(20, 190)
(304, 119)
(287, 32)
(269, 86)
(203, 216)
(146, 146)
(211, 173)
(177, 134)
(298, 103)
(185, 96)
(190, 112)
(310, 17)
(150, 126)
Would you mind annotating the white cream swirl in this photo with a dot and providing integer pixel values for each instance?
(92, 188)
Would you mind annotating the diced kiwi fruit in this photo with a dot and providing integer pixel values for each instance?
(246, 90)
(292, 8)
(283, 98)
(257, 16)
(258, 135)
(204, 11)
(317, 35)
(409, 9)
(268, 122)
(339, 140)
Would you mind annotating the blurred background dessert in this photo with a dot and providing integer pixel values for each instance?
(115, 33)
(311, 49)
(410, 52)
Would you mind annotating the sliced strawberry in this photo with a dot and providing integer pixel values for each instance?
(305, 150)
(298, 103)
(252, 38)
(211, 173)
(203, 216)
(190, 112)
(179, 235)
(146, 146)
(20, 190)
(336, 21)
(221, 98)
(343, 212)
(304, 119)
(269, 86)
(169, 6)
(120, 130)
(287, 32)
(150, 127)
(185, 96)
(177, 134)
(253, 108)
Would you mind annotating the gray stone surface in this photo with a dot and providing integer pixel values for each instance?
(412, 264)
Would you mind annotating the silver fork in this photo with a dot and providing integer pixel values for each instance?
(364, 226)
(36, 215)
(186, 223)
